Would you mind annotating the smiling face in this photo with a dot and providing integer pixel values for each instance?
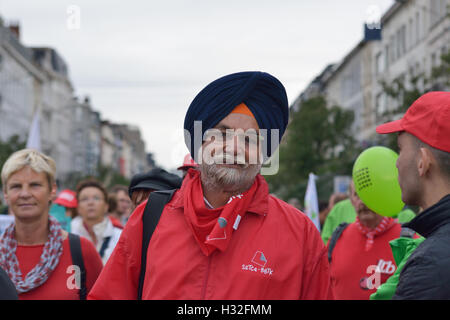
(231, 154)
(29, 194)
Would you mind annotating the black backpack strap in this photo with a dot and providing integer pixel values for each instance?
(77, 260)
(104, 246)
(150, 218)
(334, 238)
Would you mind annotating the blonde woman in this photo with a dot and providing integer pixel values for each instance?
(34, 250)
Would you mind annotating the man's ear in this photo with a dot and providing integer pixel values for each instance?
(425, 160)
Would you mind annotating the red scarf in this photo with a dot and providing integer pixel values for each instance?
(213, 228)
(382, 227)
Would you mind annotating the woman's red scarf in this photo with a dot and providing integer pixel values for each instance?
(213, 228)
(382, 227)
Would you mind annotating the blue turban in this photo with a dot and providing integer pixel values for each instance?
(263, 94)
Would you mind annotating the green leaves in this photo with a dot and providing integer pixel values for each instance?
(8, 147)
(318, 139)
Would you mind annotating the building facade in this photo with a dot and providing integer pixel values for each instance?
(21, 85)
(36, 80)
(85, 138)
(411, 37)
(55, 111)
(414, 36)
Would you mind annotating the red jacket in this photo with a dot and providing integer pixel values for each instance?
(353, 268)
(276, 253)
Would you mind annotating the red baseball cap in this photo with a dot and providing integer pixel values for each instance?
(67, 198)
(428, 118)
(188, 162)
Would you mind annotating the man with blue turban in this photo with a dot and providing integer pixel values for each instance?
(222, 235)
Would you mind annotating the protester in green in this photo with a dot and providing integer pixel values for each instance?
(401, 250)
(405, 216)
(342, 211)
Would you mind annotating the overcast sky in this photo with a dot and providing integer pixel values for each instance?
(143, 62)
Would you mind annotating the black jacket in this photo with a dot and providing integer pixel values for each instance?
(7, 288)
(426, 274)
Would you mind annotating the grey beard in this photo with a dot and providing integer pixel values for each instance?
(227, 179)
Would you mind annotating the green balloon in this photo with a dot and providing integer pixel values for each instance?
(375, 176)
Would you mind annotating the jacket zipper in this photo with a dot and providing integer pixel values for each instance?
(205, 282)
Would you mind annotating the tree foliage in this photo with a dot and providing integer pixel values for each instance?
(8, 147)
(318, 140)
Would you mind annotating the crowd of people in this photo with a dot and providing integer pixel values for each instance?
(217, 232)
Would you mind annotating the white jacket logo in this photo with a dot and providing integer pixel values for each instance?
(386, 267)
(374, 280)
(260, 260)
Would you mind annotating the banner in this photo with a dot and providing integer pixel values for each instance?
(312, 202)
(34, 137)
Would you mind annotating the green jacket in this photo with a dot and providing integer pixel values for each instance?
(401, 250)
(342, 211)
(405, 216)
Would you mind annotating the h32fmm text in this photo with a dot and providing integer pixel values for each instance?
(226, 309)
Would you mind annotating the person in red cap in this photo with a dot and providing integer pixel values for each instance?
(64, 208)
(188, 163)
(357, 249)
(424, 177)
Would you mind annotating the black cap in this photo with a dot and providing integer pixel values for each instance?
(155, 179)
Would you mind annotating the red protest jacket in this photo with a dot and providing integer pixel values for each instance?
(275, 253)
(357, 273)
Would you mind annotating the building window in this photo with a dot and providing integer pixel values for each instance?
(379, 63)
(402, 40)
(437, 11)
(433, 60)
(392, 50)
(417, 27)
(445, 8)
(386, 57)
(380, 105)
(410, 34)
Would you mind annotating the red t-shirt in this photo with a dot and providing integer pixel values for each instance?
(60, 284)
(353, 269)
